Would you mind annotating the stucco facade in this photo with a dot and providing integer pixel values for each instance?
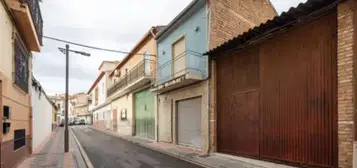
(136, 71)
(193, 29)
(15, 99)
(202, 25)
(99, 108)
(41, 115)
(123, 105)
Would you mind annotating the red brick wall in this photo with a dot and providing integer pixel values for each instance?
(229, 18)
(346, 99)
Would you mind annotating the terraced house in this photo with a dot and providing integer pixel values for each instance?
(98, 105)
(181, 77)
(20, 33)
(133, 105)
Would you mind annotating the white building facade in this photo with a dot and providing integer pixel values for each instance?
(42, 114)
(97, 97)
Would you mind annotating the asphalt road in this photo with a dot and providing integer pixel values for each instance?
(106, 151)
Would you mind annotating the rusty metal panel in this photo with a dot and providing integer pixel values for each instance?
(277, 101)
(238, 104)
(298, 95)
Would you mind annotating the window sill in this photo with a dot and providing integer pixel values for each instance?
(19, 88)
(19, 148)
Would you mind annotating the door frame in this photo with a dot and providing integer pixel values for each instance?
(175, 105)
(1, 121)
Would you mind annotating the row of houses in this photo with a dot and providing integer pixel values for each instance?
(27, 115)
(77, 107)
(231, 78)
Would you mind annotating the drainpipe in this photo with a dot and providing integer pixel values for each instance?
(208, 116)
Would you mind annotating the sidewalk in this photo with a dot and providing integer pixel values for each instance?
(212, 161)
(51, 153)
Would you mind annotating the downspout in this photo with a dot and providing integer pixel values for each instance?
(208, 77)
(354, 150)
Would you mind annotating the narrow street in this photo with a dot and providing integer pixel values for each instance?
(105, 151)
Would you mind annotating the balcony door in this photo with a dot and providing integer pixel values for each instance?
(147, 61)
(178, 57)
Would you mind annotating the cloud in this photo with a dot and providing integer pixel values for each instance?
(112, 24)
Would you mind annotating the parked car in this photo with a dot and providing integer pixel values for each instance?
(82, 122)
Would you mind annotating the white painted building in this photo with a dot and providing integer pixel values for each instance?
(98, 104)
(42, 114)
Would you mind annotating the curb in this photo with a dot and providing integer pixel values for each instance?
(81, 150)
(152, 148)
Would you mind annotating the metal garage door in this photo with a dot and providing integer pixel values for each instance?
(144, 115)
(277, 100)
(189, 122)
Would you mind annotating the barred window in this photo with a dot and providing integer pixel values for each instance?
(21, 65)
(19, 138)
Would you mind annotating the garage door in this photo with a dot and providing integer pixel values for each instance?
(144, 115)
(189, 122)
(277, 100)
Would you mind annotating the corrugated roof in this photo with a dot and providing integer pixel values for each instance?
(285, 19)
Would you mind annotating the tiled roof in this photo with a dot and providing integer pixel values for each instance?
(277, 23)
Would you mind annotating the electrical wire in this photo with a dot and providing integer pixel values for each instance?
(95, 48)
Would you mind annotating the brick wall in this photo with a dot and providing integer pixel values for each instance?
(228, 18)
(345, 88)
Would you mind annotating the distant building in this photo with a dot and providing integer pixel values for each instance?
(59, 100)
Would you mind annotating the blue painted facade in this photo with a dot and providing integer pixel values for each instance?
(195, 31)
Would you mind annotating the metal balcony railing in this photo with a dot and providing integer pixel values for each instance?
(35, 10)
(186, 62)
(143, 69)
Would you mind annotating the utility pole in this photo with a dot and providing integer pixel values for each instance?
(66, 52)
(66, 143)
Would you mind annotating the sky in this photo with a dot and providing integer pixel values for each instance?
(112, 24)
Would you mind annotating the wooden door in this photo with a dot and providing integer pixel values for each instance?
(179, 57)
(115, 120)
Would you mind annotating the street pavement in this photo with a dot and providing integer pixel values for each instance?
(105, 151)
(51, 154)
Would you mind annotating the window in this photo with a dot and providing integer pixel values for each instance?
(21, 74)
(96, 94)
(6, 112)
(103, 87)
(19, 138)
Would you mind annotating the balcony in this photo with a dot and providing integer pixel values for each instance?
(27, 15)
(136, 78)
(185, 69)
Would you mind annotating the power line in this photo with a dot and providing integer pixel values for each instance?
(95, 48)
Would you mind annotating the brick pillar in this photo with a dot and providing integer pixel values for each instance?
(213, 108)
(346, 88)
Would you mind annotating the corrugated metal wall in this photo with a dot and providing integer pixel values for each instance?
(238, 103)
(281, 97)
